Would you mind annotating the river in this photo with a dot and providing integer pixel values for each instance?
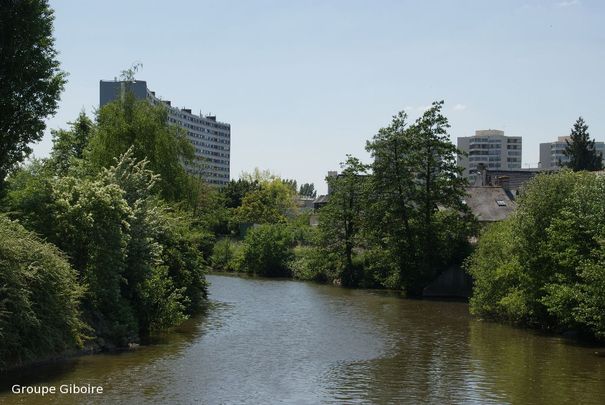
(278, 341)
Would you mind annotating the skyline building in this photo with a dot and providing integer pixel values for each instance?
(552, 154)
(210, 138)
(491, 148)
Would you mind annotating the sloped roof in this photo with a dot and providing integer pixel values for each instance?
(322, 199)
(490, 204)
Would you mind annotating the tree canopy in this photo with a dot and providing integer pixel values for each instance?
(31, 80)
(581, 149)
(307, 190)
(272, 202)
(544, 266)
(127, 123)
(414, 176)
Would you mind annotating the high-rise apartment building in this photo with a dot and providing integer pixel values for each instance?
(491, 148)
(552, 154)
(210, 138)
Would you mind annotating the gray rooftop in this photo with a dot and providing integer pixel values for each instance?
(490, 204)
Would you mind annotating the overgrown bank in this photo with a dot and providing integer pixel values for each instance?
(121, 247)
(395, 223)
(545, 266)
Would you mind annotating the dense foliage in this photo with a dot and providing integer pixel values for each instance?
(141, 263)
(307, 190)
(545, 265)
(341, 221)
(134, 229)
(30, 77)
(129, 123)
(39, 298)
(395, 223)
(271, 202)
(581, 149)
(415, 176)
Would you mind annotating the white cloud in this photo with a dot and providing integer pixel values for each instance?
(567, 3)
(459, 107)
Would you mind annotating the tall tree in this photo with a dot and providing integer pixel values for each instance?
(341, 219)
(70, 144)
(292, 184)
(272, 202)
(440, 178)
(394, 189)
(127, 123)
(414, 176)
(581, 150)
(30, 77)
(308, 190)
(236, 190)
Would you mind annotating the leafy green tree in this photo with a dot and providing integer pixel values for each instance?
(91, 226)
(395, 193)
(69, 145)
(128, 122)
(29, 197)
(439, 178)
(140, 258)
(235, 191)
(581, 149)
(414, 176)
(308, 190)
(267, 250)
(544, 265)
(39, 298)
(341, 220)
(183, 247)
(291, 183)
(30, 77)
(273, 202)
(164, 267)
(258, 176)
(223, 254)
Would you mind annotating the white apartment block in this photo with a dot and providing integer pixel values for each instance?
(552, 154)
(491, 148)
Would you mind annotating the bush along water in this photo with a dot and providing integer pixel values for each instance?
(545, 266)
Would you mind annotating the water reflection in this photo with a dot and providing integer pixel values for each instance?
(268, 341)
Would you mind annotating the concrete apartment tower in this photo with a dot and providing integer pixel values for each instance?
(552, 155)
(210, 138)
(491, 148)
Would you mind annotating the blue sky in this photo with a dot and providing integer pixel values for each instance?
(303, 83)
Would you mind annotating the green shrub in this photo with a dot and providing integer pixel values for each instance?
(267, 250)
(140, 258)
(182, 255)
(306, 264)
(223, 253)
(39, 298)
(544, 265)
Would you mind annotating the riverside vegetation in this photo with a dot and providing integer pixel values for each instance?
(122, 254)
(396, 223)
(400, 221)
(107, 241)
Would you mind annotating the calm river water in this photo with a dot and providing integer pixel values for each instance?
(276, 341)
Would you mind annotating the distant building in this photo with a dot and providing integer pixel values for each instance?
(512, 180)
(304, 203)
(210, 138)
(491, 148)
(552, 154)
